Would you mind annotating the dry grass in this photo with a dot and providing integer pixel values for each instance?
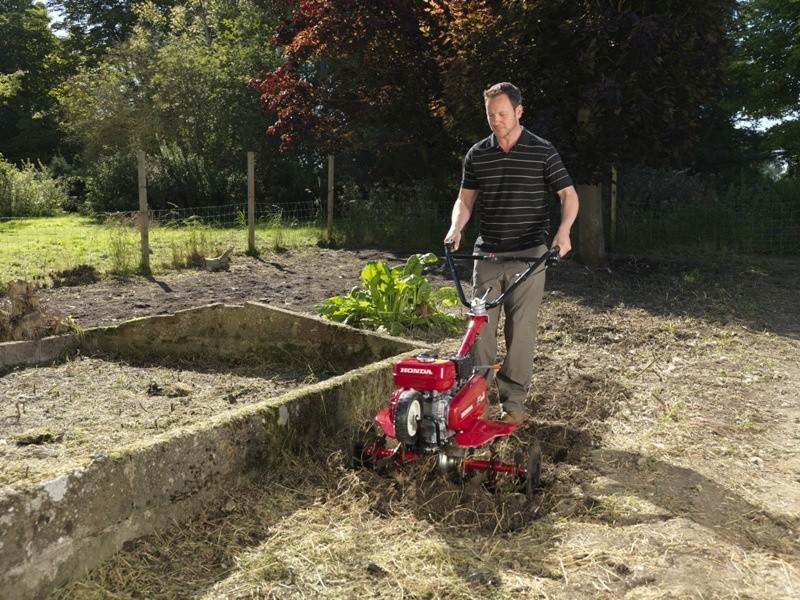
(666, 407)
(55, 418)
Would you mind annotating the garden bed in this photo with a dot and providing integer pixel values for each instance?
(140, 425)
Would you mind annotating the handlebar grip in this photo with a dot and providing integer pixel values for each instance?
(555, 256)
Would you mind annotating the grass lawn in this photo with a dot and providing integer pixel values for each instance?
(34, 248)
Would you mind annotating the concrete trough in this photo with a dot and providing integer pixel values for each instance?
(54, 530)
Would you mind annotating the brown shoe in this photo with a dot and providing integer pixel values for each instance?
(513, 417)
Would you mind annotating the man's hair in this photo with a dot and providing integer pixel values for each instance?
(509, 89)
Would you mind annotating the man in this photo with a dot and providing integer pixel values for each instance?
(512, 173)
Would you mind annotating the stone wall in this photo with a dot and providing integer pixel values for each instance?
(54, 531)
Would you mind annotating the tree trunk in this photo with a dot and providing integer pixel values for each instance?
(590, 226)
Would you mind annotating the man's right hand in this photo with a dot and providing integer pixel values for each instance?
(454, 238)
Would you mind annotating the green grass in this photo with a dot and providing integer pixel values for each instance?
(34, 248)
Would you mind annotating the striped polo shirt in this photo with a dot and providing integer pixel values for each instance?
(514, 190)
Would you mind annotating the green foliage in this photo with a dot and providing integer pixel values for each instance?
(30, 66)
(765, 74)
(175, 179)
(396, 299)
(112, 184)
(194, 243)
(767, 58)
(175, 88)
(603, 81)
(678, 212)
(91, 27)
(123, 247)
(390, 215)
(29, 191)
(74, 181)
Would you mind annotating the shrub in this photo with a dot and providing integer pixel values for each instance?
(175, 179)
(112, 184)
(662, 210)
(29, 191)
(184, 179)
(74, 183)
(410, 216)
(397, 300)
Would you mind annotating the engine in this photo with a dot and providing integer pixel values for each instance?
(435, 399)
(432, 428)
(425, 372)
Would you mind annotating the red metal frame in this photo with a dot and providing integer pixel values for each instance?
(429, 374)
(402, 456)
(475, 325)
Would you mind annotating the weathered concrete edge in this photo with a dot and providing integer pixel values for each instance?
(73, 522)
(37, 352)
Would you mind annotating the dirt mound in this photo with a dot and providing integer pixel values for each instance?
(24, 317)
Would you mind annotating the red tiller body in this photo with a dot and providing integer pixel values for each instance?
(424, 374)
(439, 405)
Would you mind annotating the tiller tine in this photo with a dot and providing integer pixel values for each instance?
(493, 467)
(375, 452)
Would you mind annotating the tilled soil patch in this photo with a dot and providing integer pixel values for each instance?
(57, 418)
(665, 397)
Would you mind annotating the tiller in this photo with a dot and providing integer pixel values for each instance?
(440, 404)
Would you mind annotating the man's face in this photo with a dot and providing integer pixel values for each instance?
(502, 116)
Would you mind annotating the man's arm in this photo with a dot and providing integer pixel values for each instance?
(462, 211)
(569, 212)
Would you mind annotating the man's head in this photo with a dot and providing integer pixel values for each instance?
(503, 109)
(509, 89)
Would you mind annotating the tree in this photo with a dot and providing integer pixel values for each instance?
(94, 26)
(604, 82)
(179, 79)
(29, 69)
(176, 88)
(766, 72)
(358, 78)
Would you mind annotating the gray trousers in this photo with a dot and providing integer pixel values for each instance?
(521, 311)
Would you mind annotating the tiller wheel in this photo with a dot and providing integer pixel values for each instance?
(526, 471)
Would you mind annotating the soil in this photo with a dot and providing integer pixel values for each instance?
(665, 399)
(54, 417)
(296, 280)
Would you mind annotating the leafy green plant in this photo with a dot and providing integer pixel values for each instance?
(29, 191)
(396, 300)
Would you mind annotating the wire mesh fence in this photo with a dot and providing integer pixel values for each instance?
(33, 248)
(741, 222)
(676, 212)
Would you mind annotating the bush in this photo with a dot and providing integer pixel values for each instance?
(74, 184)
(112, 184)
(30, 191)
(175, 179)
(660, 210)
(413, 216)
(178, 179)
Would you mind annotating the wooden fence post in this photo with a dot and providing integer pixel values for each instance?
(251, 203)
(144, 219)
(613, 231)
(330, 196)
(592, 245)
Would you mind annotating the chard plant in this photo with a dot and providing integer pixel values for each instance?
(396, 300)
